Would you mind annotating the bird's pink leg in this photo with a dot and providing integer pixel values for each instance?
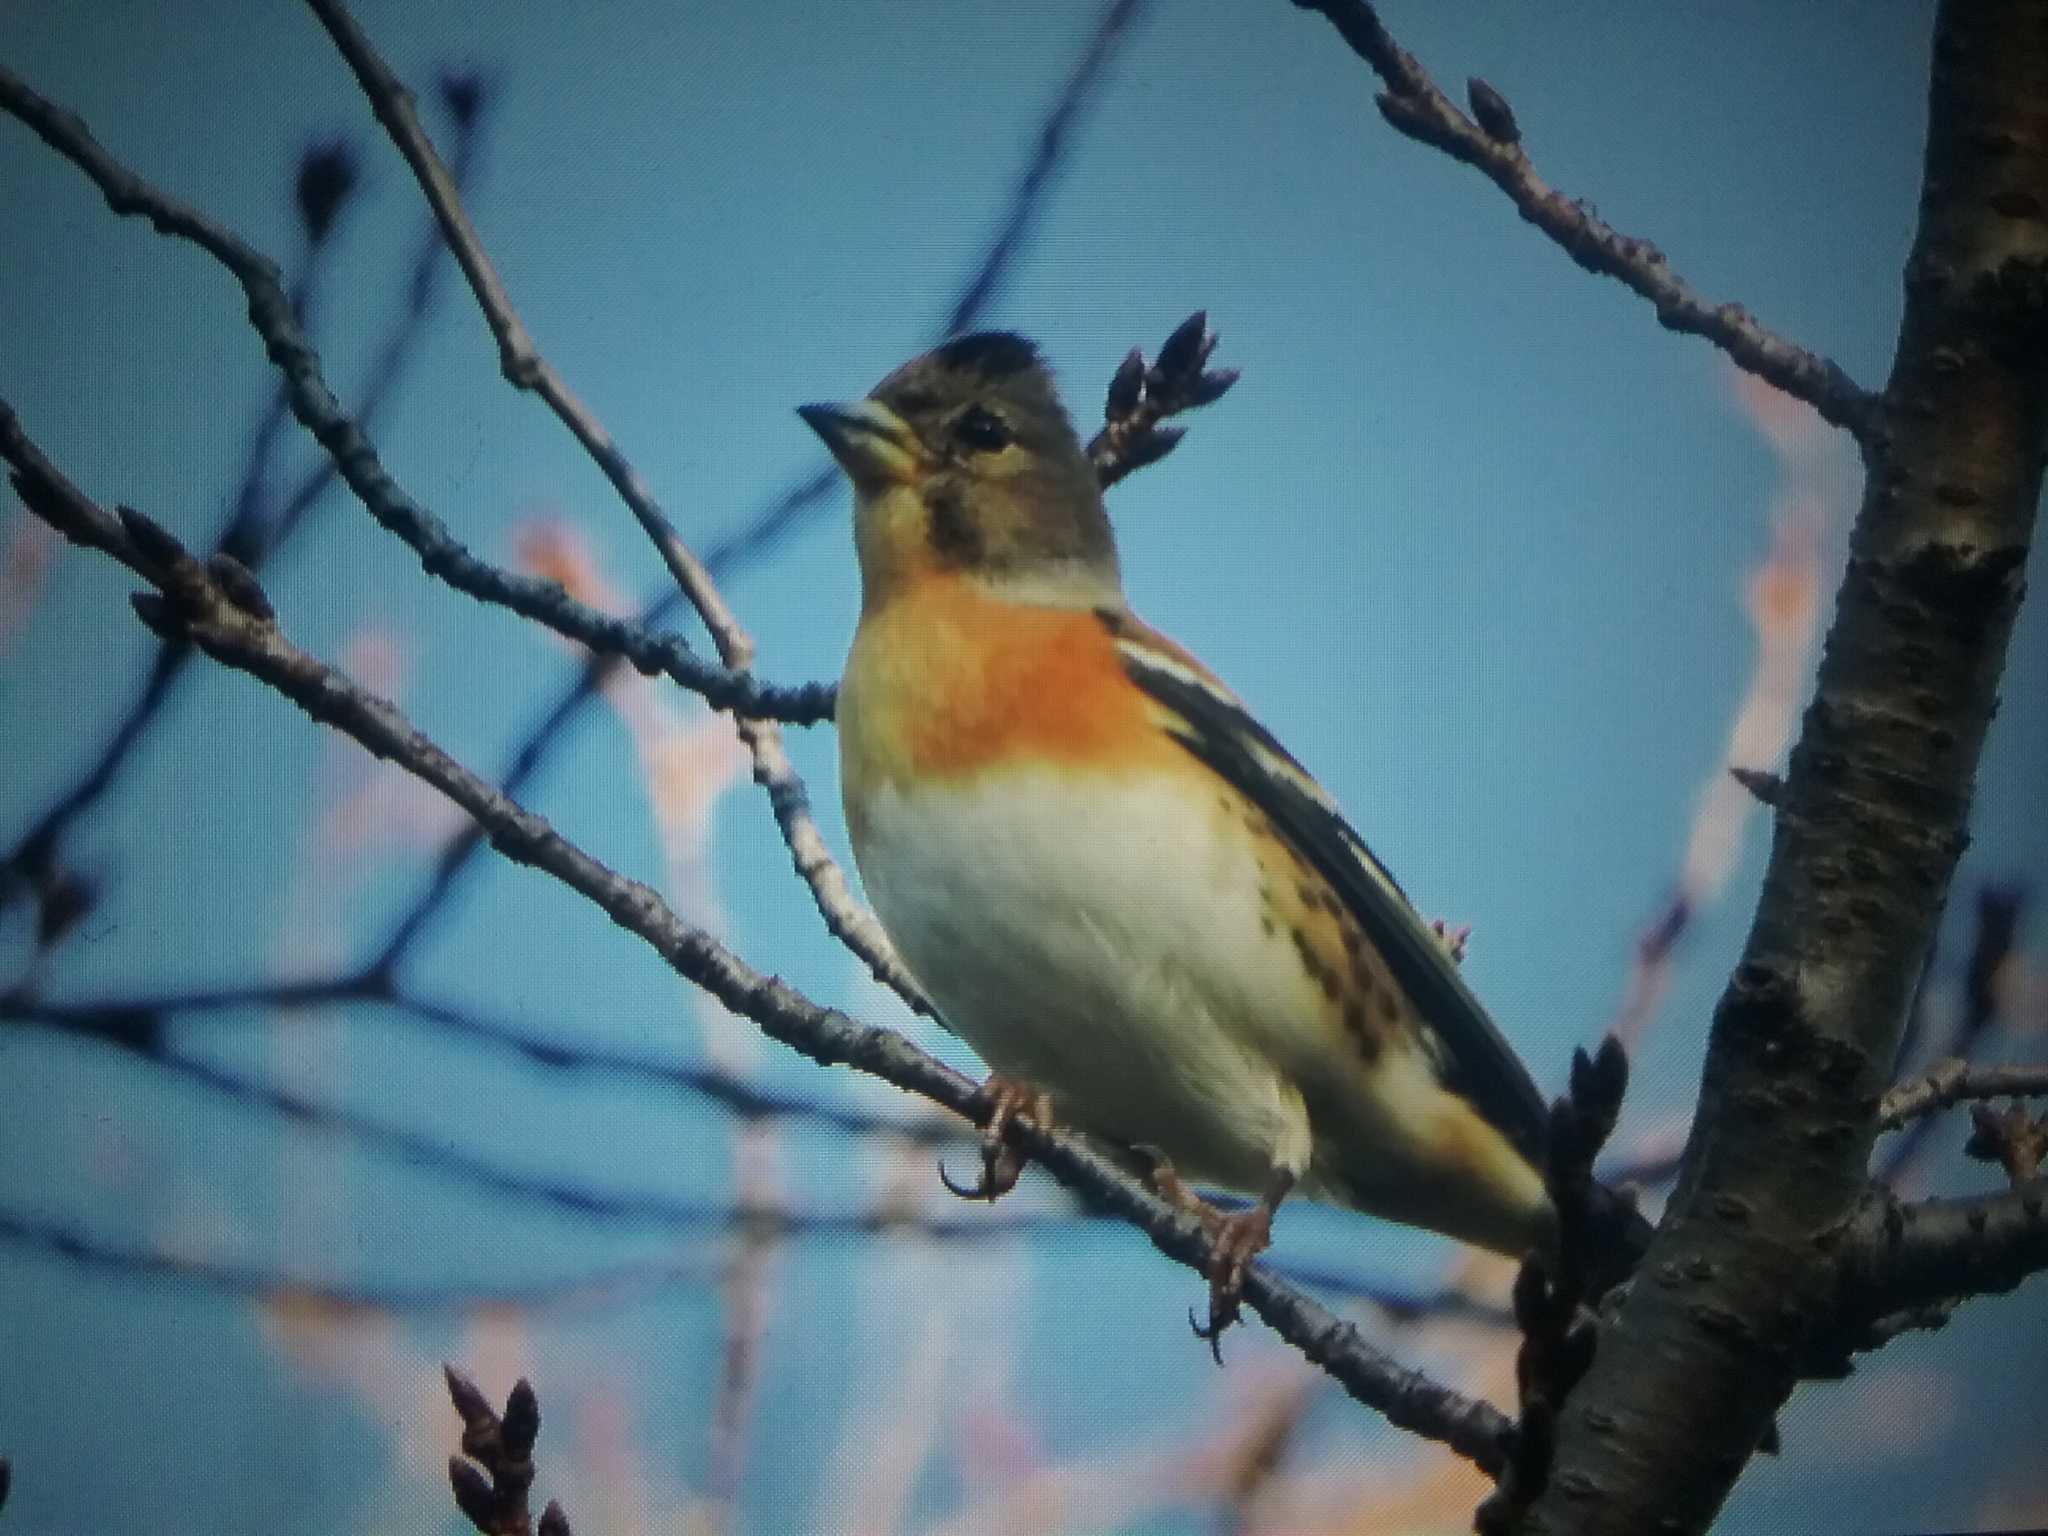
(1235, 1239)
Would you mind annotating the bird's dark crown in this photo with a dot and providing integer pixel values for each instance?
(992, 354)
(998, 370)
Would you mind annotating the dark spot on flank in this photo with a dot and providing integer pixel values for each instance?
(1309, 960)
(956, 537)
(1312, 963)
(1358, 1024)
(1390, 1006)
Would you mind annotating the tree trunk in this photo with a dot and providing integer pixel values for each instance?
(1711, 1336)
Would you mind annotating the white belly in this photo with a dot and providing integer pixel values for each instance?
(1105, 943)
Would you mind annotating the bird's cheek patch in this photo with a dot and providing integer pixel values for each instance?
(957, 538)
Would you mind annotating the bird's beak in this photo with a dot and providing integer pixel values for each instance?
(872, 443)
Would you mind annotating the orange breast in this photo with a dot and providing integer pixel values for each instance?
(946, 682)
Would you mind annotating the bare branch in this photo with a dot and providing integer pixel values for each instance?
(1414, 105)
(137, 1022)
(261, 1283)
(188, 601)
(518, 356)
(1951, 1082)
(440, 553)
(1908, 1265)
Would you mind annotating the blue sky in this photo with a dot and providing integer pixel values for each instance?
(1471, 534)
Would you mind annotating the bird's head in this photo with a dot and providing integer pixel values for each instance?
(963, 462)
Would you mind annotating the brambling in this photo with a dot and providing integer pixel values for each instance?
(1112, 881)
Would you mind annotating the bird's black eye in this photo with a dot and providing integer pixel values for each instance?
(981, 430)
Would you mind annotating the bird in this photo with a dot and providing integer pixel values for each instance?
(1145, 916)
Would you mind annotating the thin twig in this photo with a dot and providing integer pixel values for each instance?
(1903, 1265)
(1951, 1082)
(255, 529)
(138, 1022)
(1414, 105)
(314, 404)
(518, 356)
(263, 1283)
(744, 1217)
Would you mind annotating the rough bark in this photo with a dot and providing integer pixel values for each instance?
(1709, 1340)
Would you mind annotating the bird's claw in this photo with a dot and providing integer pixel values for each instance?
(1000, 1100)
(1235, 1239)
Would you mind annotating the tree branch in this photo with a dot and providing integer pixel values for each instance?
(1414, 105)
(1739, 1279)
(440, 553)
(256, 527)
(231, 624)
(528, 369)
(519, 357)
(1951, 1082)
(1908, 1265)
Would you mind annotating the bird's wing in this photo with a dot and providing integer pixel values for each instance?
(1475, 1061)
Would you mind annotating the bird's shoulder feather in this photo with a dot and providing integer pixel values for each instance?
(1208, 721)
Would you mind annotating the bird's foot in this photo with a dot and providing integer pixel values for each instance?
(1000, 1100)
(1235, 1239)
